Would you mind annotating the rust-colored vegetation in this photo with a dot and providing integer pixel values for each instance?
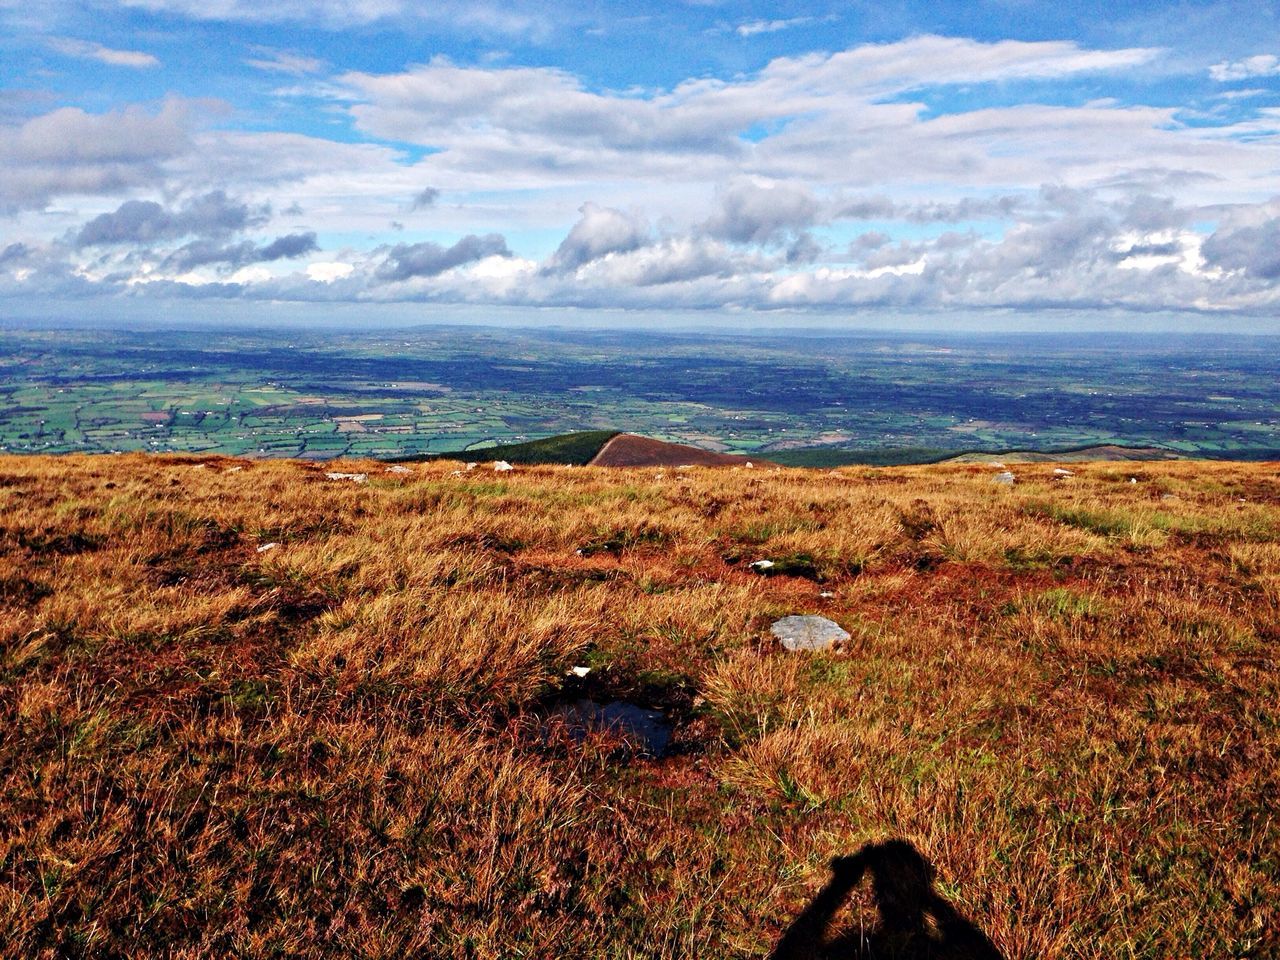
(1063, 694)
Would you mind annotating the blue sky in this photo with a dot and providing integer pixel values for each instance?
(766, 163)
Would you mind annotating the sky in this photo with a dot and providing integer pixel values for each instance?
(786, 163)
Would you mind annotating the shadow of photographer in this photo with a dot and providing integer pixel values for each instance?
(916, 922)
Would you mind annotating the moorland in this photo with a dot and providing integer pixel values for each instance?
(248, 708)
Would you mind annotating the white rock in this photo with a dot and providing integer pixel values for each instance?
(263, 548)
(762, 565)
(826, 594)
(808, 633)
(472, 466)
(234, 469)
(749, 465)
(1060, 472)
(501, 466)
(580, 672)
(398, 469)
(1133, 479)
(1005, 477)
(353, 477)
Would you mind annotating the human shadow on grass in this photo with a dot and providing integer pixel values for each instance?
(916, 922)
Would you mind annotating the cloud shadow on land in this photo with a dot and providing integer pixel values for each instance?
(916, 922)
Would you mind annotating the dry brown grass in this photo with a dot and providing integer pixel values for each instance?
(1064, 694)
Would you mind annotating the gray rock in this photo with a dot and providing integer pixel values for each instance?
(808, 633)
(1005, 477)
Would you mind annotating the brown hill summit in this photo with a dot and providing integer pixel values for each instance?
(629, 450)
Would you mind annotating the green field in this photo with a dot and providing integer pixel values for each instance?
(798, 399)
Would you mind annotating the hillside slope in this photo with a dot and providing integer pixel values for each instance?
(269, 708)
(574, 449)
(629, 450)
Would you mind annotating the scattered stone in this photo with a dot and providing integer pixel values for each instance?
(1168, 496)
(234, 469)
(353, 477)
(1005, 477)
(749, 465)
(398, 469)
(1061, 472)
(996, 465)
(809, 632)
(1133, 479)
(761, 565)
(472, 466)
(827, 595)
(501, 466)
(580, 672)
(263, 548)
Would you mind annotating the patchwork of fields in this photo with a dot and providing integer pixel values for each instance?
(434, 390)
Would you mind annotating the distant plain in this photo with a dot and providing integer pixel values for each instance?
(433, 390)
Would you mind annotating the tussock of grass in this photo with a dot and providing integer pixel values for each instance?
(1062, 694)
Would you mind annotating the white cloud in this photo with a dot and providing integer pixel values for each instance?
(1263, 65)
(328, 271)
(756, 27)
(73, 152)
(88, 50)
(812, 183)
(272, 60)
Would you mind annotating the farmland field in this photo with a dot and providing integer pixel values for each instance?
(433, 390)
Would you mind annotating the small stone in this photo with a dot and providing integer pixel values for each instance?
(826, 595)
(472, 466)
(808, 633)
(580, 672)
(353, 477)
(1005, 477)
(1060, 472)
(398, 469)
(749, 465)
(762, 565)
(501, 466)
(267, 546)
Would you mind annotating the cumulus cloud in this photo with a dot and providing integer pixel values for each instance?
(1255, 249)
(599, 231)
(70, 151)
(14, 252)
(145, 221)
(407, 260)
(200, 253)
(1263, 65)
(424, 198)
(752, 211)
(88, 50)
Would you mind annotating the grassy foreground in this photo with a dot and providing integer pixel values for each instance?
(1064, 695)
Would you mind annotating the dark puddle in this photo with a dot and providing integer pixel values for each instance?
(640, 731)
